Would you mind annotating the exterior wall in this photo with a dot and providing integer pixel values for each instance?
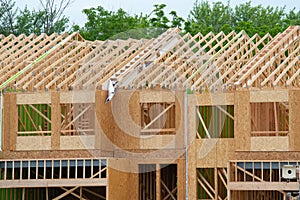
(118, 134)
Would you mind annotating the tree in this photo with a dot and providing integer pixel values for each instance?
(48, 20)
(217, 17)
(159, 19)
(205, 18)
(7, 17)
(102, 24)
(258, 19)
(54, 19)
(176, 20)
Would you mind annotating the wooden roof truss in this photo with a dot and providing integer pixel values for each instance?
(201, 62)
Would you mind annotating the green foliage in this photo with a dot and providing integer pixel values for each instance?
(49, 19)
(8, 13)
(159, 19)
(103, 24)
(216, 17)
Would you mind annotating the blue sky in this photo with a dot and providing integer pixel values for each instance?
(137, 6)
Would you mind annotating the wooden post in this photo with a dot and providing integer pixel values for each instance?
(122, 182)
(10, 122)
(55, 120)
(242, 121)
(6, 122)
(294, 120)
(47, 193)
(158, 188)
(181, 178)
(216, 182)
(23, 193)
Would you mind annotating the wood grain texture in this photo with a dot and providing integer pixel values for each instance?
(55, 120)
(294, 120)
(242, 120)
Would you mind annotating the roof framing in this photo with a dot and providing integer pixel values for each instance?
(201, 62)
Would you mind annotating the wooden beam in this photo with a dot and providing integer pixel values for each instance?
(56, 120)
(41, 183)
(266, 186)
(168, 190)
(74, 194)
(206, 190)
(225, 112)
(73, 189)
(94, 193)
(157, 182)
(158, 116)
(77, 117)
(202, 122)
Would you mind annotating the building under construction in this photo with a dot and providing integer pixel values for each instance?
(178, 116)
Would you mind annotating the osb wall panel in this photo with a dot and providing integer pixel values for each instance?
(192, 146)
(122, 179)
(180, 119)
(214, 152)
(181, 178)
(279, 143)
(158, 142)
(118, 120)
(269, 96)
(267, 155)
(154, 96)
(41, 154)
(208, 99)
(294, 120)
(33, 143)
(242, 120)
(77, 142)
(82, 96)
(192, 117)
(55, 120)
(192, 165)
(10, 122)
(34, 98)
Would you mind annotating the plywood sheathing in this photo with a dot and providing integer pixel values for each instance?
(119, 119)
(181, 178)
(91, 153)
(157, 96)
(192, 173)
(209, 99)
(10, 122)
(269, 95)
(278, 143)
(104, 135)
(55, 120)
(123, 181)
(242, 119)
(192, 147)
(33, 143)
(214, 152)
(77, 142)
(294, 120)
(270, 155)
(180, 117)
